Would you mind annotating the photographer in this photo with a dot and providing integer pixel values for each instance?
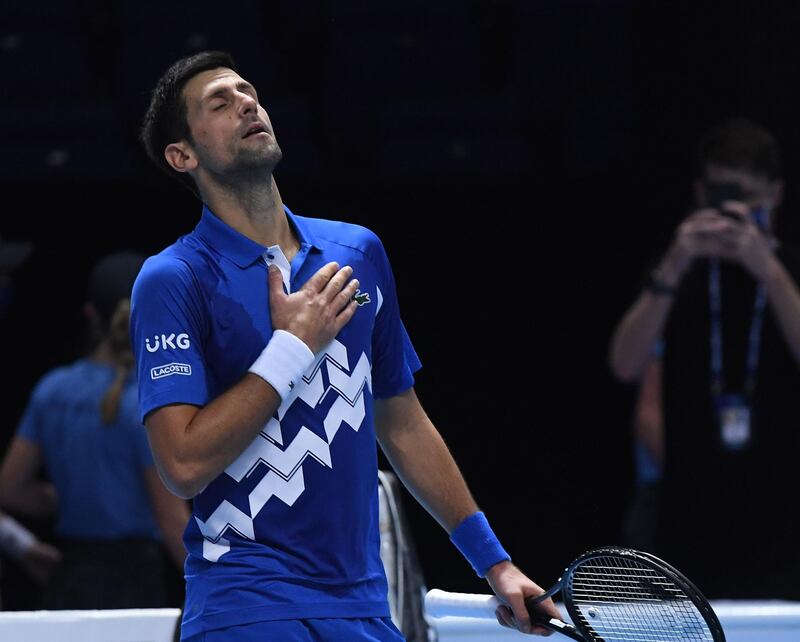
(723, 299)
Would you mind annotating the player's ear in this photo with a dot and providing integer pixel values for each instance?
(180, 156)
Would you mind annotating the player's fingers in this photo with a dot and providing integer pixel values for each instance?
(321, 277)
(538, 629)
(549, 608)
(504, 616)
(522, 618)
(275, 280)
(542, 609)
(345, 315)
(336, 283)
(346, 295)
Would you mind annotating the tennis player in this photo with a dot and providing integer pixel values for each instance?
(271, 354)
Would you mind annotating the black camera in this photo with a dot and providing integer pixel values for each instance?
(717, 193)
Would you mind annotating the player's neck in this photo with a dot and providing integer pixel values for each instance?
(256, 212)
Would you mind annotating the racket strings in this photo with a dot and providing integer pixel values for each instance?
(623, 600)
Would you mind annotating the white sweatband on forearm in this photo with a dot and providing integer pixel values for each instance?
(15, 539)
(282, 363)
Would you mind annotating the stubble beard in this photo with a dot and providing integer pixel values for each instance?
(249, 168)
(250, 164)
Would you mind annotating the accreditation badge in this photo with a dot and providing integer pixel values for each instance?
(734, 422)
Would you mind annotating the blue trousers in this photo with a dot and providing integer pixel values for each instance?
(321, 630)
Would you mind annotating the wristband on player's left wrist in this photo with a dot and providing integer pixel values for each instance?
(478, 543)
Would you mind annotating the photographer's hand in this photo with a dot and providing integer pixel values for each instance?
(703, 233)
(744, 243)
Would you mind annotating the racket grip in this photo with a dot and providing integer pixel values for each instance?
(440, 603)
(557, 625)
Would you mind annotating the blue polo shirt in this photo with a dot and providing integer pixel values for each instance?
(290, 529)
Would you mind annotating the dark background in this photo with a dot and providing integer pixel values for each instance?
(521, 160)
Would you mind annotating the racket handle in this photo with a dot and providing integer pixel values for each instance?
(440, 603)
(556, 625)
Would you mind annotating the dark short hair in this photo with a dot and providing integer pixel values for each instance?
(740, 144)
(165, 119)
(111, 281)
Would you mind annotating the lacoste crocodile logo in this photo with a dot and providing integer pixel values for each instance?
(362, 298)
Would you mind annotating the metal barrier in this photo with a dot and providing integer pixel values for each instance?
(119, 625)
(743, 622)
(769, 621)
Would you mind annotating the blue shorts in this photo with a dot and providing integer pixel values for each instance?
(376, 629)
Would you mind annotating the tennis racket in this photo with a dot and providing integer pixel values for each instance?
(611, 595)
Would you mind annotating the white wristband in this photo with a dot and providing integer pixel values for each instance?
(282, 363)
(15, 539)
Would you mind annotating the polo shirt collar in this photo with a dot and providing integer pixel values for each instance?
(240, 249)
(301, 228)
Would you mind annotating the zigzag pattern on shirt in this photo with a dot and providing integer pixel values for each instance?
(311, 390)
(285, 479)
(284, 462)
(225, 517)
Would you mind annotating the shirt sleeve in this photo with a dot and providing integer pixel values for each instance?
(168, 330)
(30, 425)
(394, 360)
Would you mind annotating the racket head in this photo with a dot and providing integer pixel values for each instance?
(614, 594)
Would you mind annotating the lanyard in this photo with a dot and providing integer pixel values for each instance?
(754, 340)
